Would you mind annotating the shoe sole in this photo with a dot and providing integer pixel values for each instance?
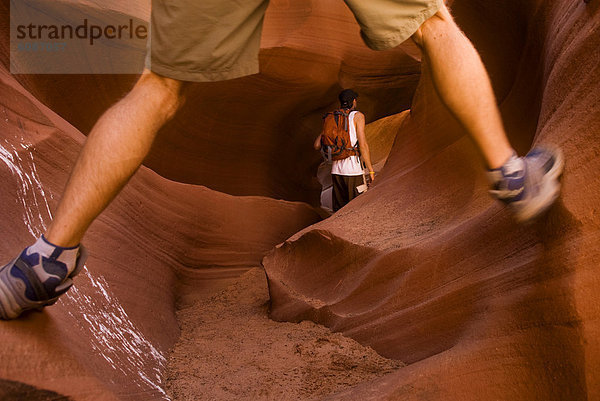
(12, 303)
(551, 184)
(10, 306)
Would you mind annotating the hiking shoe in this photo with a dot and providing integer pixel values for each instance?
(37, 277)
(528, 185)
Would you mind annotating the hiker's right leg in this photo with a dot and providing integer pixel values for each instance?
(114, 150)
(191, 41)
(209, 40)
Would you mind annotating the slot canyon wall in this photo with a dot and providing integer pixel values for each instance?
(424, 268)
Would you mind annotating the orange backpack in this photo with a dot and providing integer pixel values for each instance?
(335, 138)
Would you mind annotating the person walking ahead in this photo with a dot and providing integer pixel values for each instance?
(214, 40)
(346, 169)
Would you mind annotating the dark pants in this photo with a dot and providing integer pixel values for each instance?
(344, 189)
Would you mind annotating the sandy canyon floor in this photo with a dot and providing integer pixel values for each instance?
(229, 349)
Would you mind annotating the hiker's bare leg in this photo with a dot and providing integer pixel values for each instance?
(463, 85)
(114, 150)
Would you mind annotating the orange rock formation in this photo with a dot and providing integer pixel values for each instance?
(424, 267)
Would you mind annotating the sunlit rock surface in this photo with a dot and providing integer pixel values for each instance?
(425, 267)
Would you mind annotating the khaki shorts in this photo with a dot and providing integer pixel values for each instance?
(215, 40)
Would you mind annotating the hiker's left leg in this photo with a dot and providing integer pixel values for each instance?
(529, 185)
(457, 71)
(463, 85)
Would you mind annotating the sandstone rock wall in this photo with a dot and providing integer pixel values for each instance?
(427, 269)
(424, 267)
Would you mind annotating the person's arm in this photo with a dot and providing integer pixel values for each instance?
(317, 144)
(359, 121)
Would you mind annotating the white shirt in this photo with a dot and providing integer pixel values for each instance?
(350, 165)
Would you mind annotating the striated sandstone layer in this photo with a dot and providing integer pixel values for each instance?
(424, 268)
(427, 269)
